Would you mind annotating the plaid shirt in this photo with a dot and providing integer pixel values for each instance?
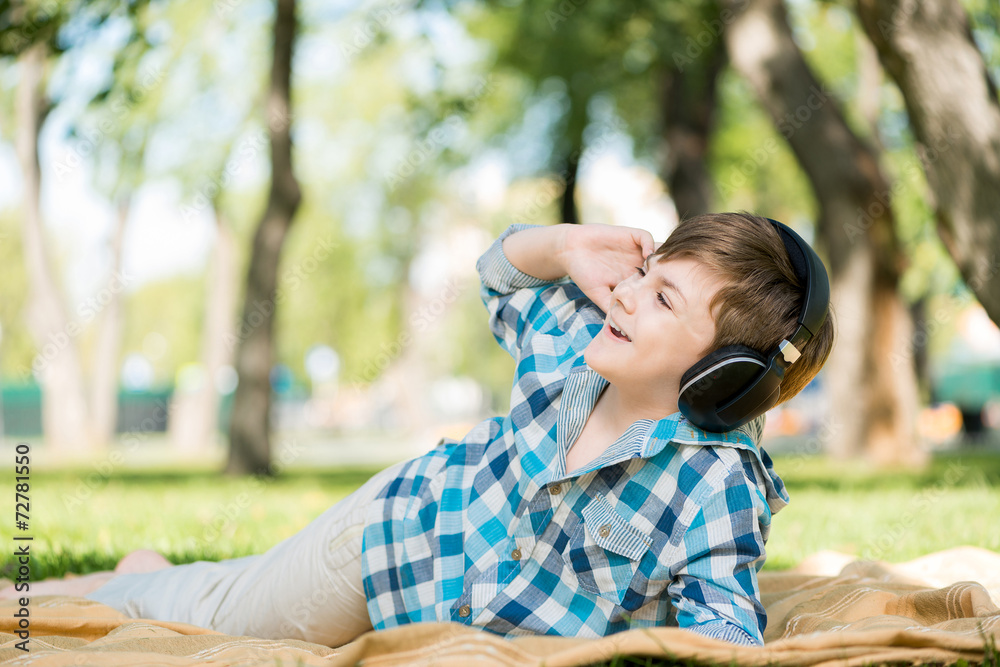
(666, 527)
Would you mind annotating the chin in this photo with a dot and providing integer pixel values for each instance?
(602, 369)
(604, 360)
(589, 356)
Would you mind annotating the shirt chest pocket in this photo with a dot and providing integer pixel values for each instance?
(605, 552)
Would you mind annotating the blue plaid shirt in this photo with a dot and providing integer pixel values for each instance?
(667, 527)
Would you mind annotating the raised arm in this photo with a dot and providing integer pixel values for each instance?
(595, 257)
(519, 271)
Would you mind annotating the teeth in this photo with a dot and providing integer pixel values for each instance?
(615, 327)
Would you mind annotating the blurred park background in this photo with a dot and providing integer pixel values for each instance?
(238, 237)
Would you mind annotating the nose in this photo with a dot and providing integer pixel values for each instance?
(624, 293)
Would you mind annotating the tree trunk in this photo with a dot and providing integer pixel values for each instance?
(928, 50)
(576, 124)
(921, 358)
(870, 372)
(689, 99)
(104, 393)
(249, 429)
(567, 203)
(57, 366)
(196, 414)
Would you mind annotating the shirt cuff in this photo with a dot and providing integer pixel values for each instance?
(498, 274)
(726, 632)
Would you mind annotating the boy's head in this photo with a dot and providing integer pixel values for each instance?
(760, 299)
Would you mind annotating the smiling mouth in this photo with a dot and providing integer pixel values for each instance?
(616, 332)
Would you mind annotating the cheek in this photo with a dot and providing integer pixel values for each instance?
(695, 337)
(663, 350)
(677, 350)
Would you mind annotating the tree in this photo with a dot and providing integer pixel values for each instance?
(249, 430)
(104, 387)
(219, 153)
(195, 418)
(689, 105)
(71, 419)
(582, 54)
(65, 415)
(871, 375)
(125, 113)
(650, 59)
(928, 49)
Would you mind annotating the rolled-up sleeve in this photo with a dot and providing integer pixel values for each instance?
(714, 588)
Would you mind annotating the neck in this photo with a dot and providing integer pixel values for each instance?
(623, 409)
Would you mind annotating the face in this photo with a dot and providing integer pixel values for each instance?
(663, 324)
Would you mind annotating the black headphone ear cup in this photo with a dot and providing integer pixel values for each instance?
(714, 380)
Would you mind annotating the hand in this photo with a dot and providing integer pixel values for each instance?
(598, 257)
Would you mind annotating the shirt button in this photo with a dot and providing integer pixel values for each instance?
(464, 611)
(516, 554)
(555, 489)
(604, 530)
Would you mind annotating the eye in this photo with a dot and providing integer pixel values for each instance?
(659, 295)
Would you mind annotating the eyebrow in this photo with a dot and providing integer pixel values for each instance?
(666, 282)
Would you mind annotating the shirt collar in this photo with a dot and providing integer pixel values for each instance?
(676, 428)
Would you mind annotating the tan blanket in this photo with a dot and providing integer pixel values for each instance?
(934, 609)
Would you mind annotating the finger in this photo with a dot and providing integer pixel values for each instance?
(644, 240)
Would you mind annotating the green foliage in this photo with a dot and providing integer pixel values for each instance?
(163, 322)
(476, 353)
(24, 24)
(984, 15)
(183, 104)
(831, 40)
(751, 164)
(356, 285)
(584, 52)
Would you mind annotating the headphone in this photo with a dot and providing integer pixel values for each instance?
(735, 384)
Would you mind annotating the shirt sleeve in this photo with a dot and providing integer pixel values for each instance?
(714, 588)
(520, 304)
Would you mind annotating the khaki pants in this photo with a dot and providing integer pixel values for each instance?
(307, 587)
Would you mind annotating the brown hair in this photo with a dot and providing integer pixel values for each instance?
(760, 302)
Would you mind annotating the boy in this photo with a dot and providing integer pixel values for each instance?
(594, 505)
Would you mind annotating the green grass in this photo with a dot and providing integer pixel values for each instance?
(83, 521)
(886, 515)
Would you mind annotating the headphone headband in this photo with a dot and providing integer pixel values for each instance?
(816, 284)
(728, 388)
